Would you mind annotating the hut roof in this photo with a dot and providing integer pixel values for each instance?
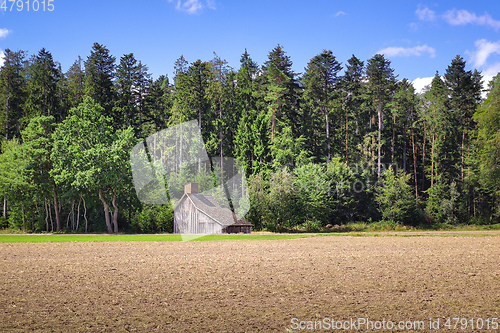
(209, 206)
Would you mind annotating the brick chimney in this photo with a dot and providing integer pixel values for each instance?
(191, 188)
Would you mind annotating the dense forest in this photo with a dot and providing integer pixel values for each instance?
(338, 143)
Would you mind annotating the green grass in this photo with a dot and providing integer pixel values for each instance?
(56, 238)
(353, 230)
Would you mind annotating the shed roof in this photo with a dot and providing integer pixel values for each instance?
(209, 206)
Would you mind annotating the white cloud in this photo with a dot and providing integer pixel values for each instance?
(4, 32)
(2, 58)
(425, 14)
(193, 6)
(484, 49)
(420, 84)
(340, 13)
(491, 70)
(464, 17)
(211, 4)
(397, 51)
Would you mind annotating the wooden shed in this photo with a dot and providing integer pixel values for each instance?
(201, 214)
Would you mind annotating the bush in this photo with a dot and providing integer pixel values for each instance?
(397, 202)
(3, 222)
(153, 218)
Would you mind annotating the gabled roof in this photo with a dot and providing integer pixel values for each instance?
(210, 207)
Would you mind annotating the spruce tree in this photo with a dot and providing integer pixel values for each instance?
(99, 76)
(13, 90)
(320, 84)
(381, 82)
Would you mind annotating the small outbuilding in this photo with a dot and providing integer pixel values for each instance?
(201, 214)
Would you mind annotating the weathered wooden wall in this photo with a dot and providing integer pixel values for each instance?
(189, 220)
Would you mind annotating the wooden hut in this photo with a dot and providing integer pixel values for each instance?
(201, 214)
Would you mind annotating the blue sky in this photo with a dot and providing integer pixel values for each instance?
(418, 37)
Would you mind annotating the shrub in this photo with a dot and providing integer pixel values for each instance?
(153, 218)
(397, 202)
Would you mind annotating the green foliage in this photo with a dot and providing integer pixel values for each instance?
(381, 83)
(313, 190)
(153, 219)
(75, 83)
(43, 77)
(347, 190)
(288, 151)
(309, 143)
(396, 202)
(90, 156)
(320, 89)
(13, 184)
(488, 142)
(99, 75)
(132, 82)
(12, 93)
(442, 205)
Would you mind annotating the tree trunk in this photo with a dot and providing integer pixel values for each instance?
(273, 122)
(106, 211)
(379, 137)
(432, 158)
(327, 120)
(221, 140)
(67, 220)
(346, 138)
(56, 208)
(51, 220)
(85, 214)
(393, 138)
(423, 157)
(463, 152)
(414, 161)
(404, 148)
(73, 215)
(78, 214)
(7, 113)
(468, 150)
(46, 216)
(5, 207)
(115, 212)
(24, 217)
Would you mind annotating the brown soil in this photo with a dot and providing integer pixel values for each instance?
(246, 286)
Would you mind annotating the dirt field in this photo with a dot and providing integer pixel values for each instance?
(247, 286)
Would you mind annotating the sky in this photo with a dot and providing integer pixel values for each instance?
(418, 37)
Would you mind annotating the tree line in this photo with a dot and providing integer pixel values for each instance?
(337, 143)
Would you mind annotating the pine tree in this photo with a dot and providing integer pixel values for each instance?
(127, 81)
(464, 89)
(245, 103)
(12, 93)
(320, 83)
(42, 79)
(157, 105)
(404, 119)
(99, 76)
(217, 96)
(75, 81)
(276, 90)
(281, 90)
(381, 81)
(132, 84)
(353, 96)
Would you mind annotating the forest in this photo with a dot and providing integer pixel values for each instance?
(342, 142)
